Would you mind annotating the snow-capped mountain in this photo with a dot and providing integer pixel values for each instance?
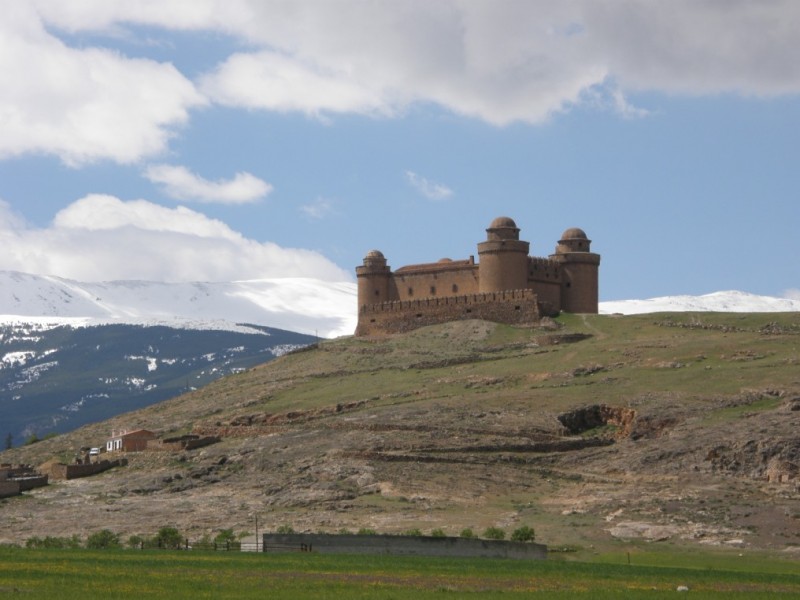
(73, 352)
(730, 301)
(309, 306)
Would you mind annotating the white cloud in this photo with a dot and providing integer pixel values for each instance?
(501, 61)
(271, 81)
(83, 105)
(180, 183)
(429, 189)
(319, 209)
(100, 238)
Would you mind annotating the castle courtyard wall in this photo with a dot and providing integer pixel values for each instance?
(513, 307)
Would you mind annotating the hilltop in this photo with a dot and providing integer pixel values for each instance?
(595, 430)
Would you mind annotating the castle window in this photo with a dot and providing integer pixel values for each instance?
(569, 284)
(433, 290)
(410, 291)
(455, 288)
(377, 292)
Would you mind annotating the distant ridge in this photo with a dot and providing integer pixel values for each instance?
(310, 306)
(729, 301)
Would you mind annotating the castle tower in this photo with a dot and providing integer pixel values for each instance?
(503, 258)
(373, 279)
(579, 272)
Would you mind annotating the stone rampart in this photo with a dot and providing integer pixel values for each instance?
(402, 545)
(514, 307)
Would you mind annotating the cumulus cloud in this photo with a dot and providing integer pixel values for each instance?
(83, 104)
(429, 189)
(180, 183)
(501, 61)
(101, 238)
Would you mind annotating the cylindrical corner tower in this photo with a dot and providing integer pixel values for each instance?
(579, 272)
(503, 258)
(373, 279)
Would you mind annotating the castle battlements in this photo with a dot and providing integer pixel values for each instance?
(506, 286)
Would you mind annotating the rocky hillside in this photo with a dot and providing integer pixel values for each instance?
(598, 431)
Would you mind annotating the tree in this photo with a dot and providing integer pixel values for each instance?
(103, 539)
(9, 441)
(523, 534)
(169, 537)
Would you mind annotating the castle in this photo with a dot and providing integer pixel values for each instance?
(506, 286)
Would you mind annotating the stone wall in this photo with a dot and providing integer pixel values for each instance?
(9, 488)
(402, 545)
(514, 307)
(62, 471)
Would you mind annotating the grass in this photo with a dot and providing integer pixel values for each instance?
(69, 574)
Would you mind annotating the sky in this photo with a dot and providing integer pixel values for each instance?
(222, 140)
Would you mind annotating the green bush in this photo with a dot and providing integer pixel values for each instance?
(169, 537)
(225, 536)
(414, 532)
(53, 542)
(523, 534)
(494, 533)
(367, 531)
(285, 529)
(438, 533)
(467, 533)
(103, 539)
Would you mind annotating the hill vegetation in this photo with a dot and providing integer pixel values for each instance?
(599, 432)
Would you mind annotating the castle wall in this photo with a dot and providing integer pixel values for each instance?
(420, 283)
(514, 307)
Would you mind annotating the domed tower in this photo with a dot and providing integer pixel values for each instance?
(503, 258)
(373, 279)
(579, 272)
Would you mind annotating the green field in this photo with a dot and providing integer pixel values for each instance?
(67, 574)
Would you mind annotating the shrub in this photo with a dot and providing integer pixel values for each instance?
(438, 533)
(103, 539)
(135, 541)
(285, 529)
(523, 534)
(225, 536)
(467, 533)
(169, 537)
(494, 533)
(53, 542)
(414, 531)
(367, 531)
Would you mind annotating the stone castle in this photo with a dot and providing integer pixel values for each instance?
(506, 285)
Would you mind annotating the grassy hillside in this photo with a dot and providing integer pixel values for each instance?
(601, 432)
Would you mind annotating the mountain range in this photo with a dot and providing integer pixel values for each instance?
(76, 352)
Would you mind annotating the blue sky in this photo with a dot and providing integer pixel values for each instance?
(210, 140)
